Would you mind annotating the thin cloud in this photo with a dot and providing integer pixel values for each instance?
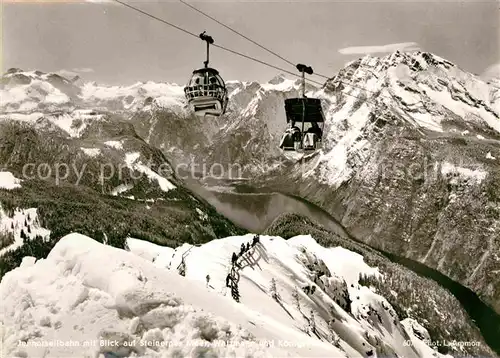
(83, 70)
(54, 1)
(363, 50)
(104, 2)
(74, 72)
(492, 72)
(66, 73)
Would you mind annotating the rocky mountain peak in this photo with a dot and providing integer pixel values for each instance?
(278, 79)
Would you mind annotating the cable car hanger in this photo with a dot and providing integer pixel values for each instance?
(210, 41)
(206, 91)
(303, 69)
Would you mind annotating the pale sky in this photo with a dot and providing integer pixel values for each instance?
(112, 44)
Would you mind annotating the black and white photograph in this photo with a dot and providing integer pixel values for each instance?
(250, 179)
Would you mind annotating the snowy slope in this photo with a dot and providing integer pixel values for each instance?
(65, 298)
(133, 162)
(23, 222)
(134, 97)
(82, 307)
(292, 264)
(28, 91)
(9, 181)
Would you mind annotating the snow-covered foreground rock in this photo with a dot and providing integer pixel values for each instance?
(87, 298)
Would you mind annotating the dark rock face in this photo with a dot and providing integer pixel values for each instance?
(435, 215)
(182, 137)
(85, 196)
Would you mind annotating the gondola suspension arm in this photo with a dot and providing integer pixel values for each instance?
(303, 69)
(209, 40)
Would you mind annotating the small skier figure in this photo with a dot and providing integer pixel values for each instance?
(208, 279)
(234, 258)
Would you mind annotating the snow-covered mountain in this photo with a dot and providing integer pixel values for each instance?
(31, 91)
(159, 113)
(418, 91)
(492, 77)
(26, 91)
(87, 170)
(410, 165)
(87, 298)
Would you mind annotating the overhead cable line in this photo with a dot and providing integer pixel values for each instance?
(235, 52)
(236, 32)
(215, 45)
(156, 18)
(249, 39)
(246, 56)
(245, 37)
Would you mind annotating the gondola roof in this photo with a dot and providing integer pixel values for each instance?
(206, 69)
(294, 108)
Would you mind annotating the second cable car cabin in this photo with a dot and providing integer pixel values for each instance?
(306, 123)
(305, 119)
(206, 91)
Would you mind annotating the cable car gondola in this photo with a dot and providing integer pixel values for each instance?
(307, 112)
(206, 91)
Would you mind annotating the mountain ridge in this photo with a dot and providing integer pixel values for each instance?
(409, 162)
